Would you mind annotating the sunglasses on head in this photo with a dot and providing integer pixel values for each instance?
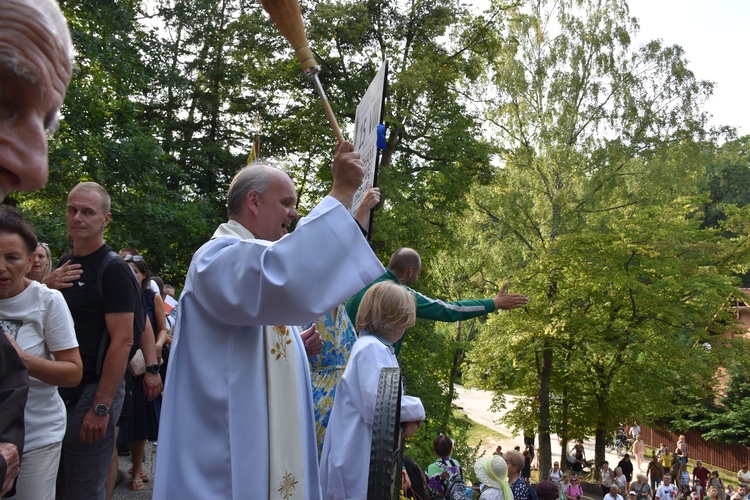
(134, 258)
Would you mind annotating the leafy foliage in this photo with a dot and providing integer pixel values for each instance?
(728, 422)
(593, 211)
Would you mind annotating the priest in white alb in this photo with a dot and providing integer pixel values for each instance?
(237, 417)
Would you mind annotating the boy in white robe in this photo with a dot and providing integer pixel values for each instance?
(384, 314)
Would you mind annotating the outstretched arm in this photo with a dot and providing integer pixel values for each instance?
(505, 300)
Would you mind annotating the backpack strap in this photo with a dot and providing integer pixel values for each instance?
(106, 261)
(109, 257)
(453, 464)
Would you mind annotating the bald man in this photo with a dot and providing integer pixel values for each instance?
(35, 70)
(404, 268)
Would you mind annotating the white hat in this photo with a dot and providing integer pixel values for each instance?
(632, 493)
(491, 470)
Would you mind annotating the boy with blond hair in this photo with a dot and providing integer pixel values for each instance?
(384, 314)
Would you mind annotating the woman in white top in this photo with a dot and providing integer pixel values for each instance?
(38, 323)
(555, 473)
(682, 450)
(639, 450)
(606, 478)
(492, 472)
(743, 476)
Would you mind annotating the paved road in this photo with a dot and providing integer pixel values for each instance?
(122, 492)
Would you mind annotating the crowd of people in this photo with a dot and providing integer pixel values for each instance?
(56, 322)
(667, 477)
(500, 477)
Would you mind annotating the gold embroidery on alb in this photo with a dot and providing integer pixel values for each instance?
(283, 339)
(287, 486)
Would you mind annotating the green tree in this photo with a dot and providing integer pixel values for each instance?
(586, 208)
(728, 422)
(727, 179)
(105, 136)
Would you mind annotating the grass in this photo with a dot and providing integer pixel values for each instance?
(477, 432)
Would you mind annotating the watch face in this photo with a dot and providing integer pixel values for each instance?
(101, 409)
(153, 368)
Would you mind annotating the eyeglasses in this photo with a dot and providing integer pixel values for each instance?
(134, 258)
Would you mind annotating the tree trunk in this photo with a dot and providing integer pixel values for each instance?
(545, 447)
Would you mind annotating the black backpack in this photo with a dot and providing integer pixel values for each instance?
(455, 487)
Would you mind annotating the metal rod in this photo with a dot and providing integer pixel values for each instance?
(312, 74)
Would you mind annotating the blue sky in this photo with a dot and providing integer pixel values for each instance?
(716, 40)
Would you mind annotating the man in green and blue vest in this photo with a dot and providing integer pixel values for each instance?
(404, 268)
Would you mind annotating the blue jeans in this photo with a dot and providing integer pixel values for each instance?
(85, 465)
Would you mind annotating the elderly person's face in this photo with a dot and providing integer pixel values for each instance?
(274, 210)
(35, 70)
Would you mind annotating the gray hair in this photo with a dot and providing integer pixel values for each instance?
(515, 459)
(48, 14)
(106, 203)
(250, 178)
